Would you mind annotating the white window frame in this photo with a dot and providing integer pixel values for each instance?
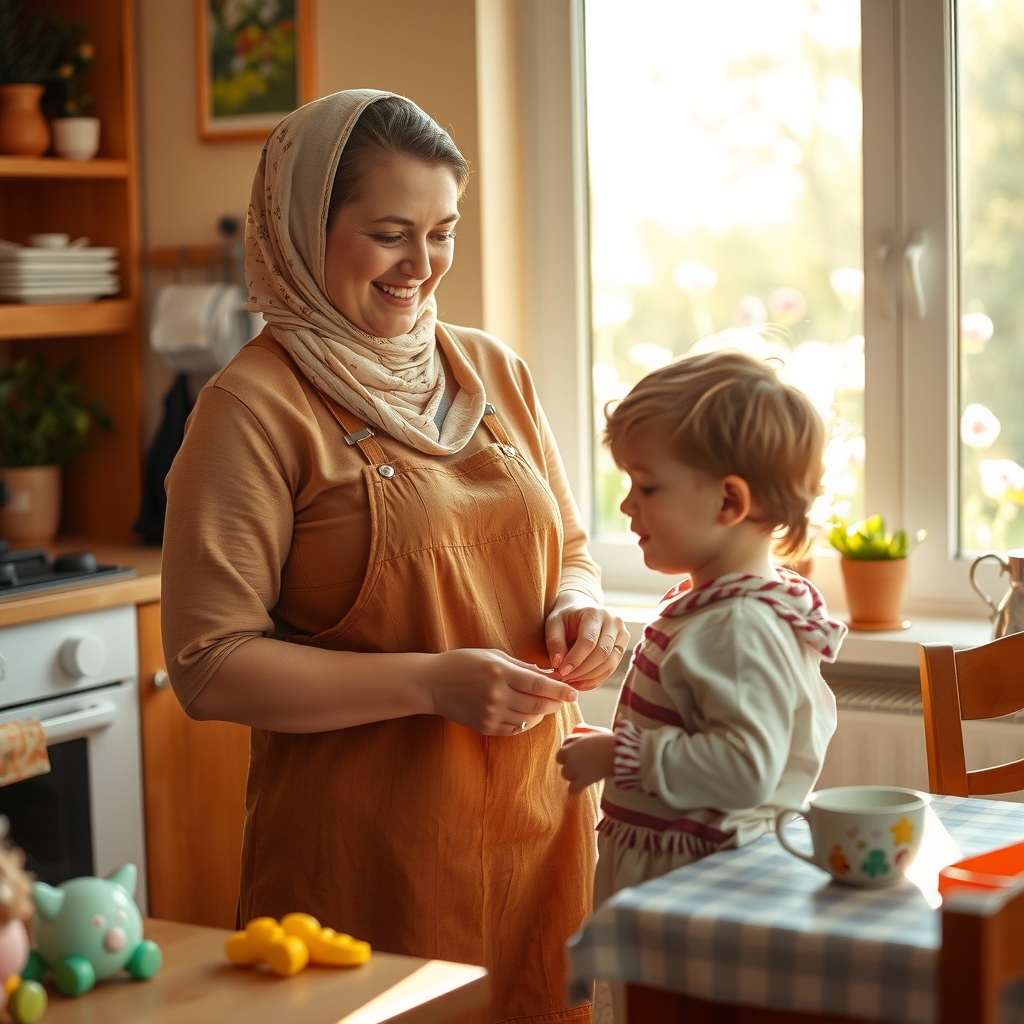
(911, 399)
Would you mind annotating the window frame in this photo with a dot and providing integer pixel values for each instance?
(911, 379)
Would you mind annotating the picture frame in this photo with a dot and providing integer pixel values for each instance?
(254, 63)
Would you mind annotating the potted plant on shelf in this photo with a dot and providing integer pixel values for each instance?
(874, 565)
(28, 55)
(45, 420)
(76, 135)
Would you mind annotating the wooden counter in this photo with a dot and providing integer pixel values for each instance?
(143, 588)
(196, 983)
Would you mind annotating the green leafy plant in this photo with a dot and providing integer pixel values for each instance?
(45, 415)
(76, 57)
(868, 540)
(29, 47)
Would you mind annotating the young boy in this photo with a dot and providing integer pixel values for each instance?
(724, 717)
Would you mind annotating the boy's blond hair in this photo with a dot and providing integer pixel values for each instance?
(727, 412)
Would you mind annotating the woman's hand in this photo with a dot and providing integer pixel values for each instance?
(585, 642)
(587, 759)
(493, 694)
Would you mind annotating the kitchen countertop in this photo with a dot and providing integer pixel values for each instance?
(140, 589)
(196, 983)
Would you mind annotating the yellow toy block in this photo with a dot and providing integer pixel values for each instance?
(287, 947)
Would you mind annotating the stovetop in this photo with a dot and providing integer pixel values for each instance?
(32, 569)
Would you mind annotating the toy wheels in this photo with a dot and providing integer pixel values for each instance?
(27, 1003)
(35, 969)
(74, 975)
(145, 961)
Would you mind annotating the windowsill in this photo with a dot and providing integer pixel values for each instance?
(895, 650)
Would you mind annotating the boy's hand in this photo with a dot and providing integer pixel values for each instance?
(587, 758)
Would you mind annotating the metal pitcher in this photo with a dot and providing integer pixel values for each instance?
(1008, 615)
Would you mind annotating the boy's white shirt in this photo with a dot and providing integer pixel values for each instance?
(754, 718)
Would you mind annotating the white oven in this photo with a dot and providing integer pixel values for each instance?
(78, 675)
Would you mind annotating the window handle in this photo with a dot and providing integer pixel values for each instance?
(881, 256)
(912, 261)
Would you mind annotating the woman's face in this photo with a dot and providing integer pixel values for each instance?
(387, 251)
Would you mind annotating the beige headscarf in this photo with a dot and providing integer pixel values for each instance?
(395, 384)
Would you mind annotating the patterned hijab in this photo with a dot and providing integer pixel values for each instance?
(395, 384)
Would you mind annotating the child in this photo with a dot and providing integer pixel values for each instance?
(724, 717)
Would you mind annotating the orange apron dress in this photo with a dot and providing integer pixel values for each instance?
(417, 834)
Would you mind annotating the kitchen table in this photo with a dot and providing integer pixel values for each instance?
(197, 984)
(757, 928)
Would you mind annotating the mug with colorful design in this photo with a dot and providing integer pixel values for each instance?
(861, 835)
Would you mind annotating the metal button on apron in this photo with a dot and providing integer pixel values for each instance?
(386, 471)
(509, 451)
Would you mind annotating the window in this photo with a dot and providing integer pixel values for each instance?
(778, 103)
(990, 86)
(724, 158)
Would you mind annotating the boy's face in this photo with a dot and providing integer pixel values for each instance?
(673, 508)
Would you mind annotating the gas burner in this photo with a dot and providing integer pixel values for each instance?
(32, 569)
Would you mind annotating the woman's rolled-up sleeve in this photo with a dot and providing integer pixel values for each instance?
(579, 571)
(227, 535)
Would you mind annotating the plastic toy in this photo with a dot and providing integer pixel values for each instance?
(89, 929)
(287, 947)
(25, 1000)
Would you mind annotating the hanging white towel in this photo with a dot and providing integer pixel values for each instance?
(198, 328)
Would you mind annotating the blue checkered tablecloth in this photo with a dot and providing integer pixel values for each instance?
(756, 926)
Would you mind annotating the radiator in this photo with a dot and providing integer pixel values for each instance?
(880, 738)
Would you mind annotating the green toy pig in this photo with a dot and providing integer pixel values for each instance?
(89, 929)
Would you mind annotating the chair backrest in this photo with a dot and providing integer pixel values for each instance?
(982, 951)
(956, 686)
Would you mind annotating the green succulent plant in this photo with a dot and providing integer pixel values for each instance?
(868, 540)
(29, 47)
(45, 415)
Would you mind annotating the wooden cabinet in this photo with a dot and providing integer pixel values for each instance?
(194, 773)
(194, 785)
(98, 199)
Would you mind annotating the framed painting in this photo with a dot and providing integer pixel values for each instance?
(255, 64)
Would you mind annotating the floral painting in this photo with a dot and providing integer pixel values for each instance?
(254, 64)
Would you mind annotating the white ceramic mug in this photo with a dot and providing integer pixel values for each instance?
(861, 835)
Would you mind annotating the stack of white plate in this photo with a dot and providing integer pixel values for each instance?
(52, 269)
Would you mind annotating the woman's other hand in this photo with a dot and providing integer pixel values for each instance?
(493, 694)
(587, 759)
(585, 642)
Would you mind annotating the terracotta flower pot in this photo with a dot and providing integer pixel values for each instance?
(875, 592)
(23, 129)
(31, 515)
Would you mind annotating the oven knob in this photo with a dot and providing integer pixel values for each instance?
(83, 656)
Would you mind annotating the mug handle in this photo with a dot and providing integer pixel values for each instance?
(782, 819)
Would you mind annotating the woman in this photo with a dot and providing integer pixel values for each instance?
(371, 558)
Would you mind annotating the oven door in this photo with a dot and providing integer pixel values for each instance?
(85, 816)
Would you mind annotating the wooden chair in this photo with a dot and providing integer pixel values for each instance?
(982, 951)
(957, 686)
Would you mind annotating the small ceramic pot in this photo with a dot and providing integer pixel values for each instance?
(23, 129)
(76, 138)
(875, 592)
(31, 515)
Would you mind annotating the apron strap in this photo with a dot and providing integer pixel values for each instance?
(490, 420)
(356, 432)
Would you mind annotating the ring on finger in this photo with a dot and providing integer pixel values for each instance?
(521, 727)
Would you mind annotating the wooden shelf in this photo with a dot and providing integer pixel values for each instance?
(54, 167)
(107, 316)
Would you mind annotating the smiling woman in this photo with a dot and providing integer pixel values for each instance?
(372, 557)
(382, 265)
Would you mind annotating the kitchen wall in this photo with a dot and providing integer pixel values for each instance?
(457, 62)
